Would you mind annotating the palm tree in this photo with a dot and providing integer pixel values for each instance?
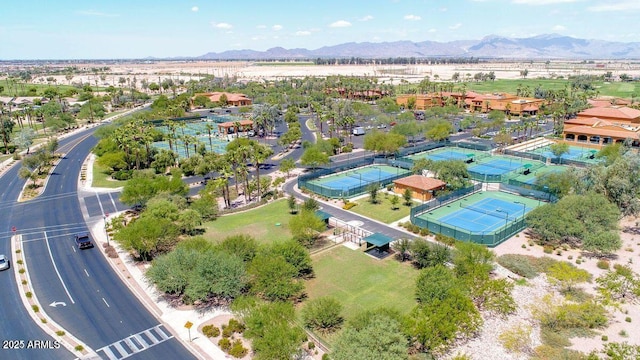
(259, 153)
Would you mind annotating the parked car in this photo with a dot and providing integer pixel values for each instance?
(4, 263)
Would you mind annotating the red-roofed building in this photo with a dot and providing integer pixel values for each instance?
(599, 126)
(232, 98)
(421, 187)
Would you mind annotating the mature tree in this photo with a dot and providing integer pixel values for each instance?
(310, 204)
(148, 236)
(322, 314)
(372, 335)
(385, 143)
(306, 226)
(438, 130)
(435, 283)
(559, 184)
(286, 165)
(24, 138)
(426, 254)
(373, 192)
(313, 156)
(206, 205)
(472, 261)
(243, 246)
(402, 247)
(408, 197)
(577, 220)
(294, 254)
(6, 129)
(559, 149)
(271, 328)
(273, 278)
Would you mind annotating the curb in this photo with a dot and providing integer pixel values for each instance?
(69, 341)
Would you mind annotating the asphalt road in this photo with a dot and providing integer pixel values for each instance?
(100, 310)
(16, 325)
(91, 302)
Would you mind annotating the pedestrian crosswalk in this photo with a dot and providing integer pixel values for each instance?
(135, 343)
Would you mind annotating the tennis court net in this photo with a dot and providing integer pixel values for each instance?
(503, 167)
(358, 176)
(495, 213)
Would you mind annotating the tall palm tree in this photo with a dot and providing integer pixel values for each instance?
(259, 153)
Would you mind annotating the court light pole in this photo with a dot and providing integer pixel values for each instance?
(506, 219)
(524, 207)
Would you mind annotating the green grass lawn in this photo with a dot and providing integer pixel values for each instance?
(360, 282)
(259, 223)
(382, 210)
(102, 180)
(618, 89)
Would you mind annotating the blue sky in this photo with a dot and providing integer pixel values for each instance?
(71, 29)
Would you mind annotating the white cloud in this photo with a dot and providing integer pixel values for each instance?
(366, 18)
(412, 17)
(542, 2)
(340, 23)
(443, 9)
(222, 25)
(431, 30)
(303, 33)
(622, 5)
(95, 13)
(195, 9)
(558, 28)
(455, 26)
(277, 27)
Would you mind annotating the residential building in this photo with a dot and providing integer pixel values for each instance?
(603, 125)
(232, 98)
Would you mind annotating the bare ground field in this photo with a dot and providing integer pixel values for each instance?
(154, 71)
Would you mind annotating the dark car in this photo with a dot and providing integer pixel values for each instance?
(83, 240)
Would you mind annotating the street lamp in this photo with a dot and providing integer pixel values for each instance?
(506, 219)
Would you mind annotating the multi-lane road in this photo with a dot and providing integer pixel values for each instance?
(91, 302)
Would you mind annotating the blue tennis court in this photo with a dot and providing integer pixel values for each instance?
(354, 182)
(444, 155)
(496, 166)
(486, 215)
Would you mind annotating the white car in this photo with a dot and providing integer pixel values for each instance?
(4, 263)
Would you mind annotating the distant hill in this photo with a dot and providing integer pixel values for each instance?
(548, 46)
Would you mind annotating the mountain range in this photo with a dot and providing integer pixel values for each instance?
(548, 46)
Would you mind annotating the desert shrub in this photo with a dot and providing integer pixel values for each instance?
(227, 331)
(224, 344)
(424, 232)
(447, 240)
(602, 264)
(237, 350)
(604, 338)
(548, 249)
(210, 331)
(348, 206)
(627, 319)
(588, 315)
(554, 338)
(236, 326)
(517, 339)
(518, 264)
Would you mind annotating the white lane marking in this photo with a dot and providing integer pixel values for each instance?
(121, 350)
(113, 203)
(135, 343)
(86, 272)
(109, 353)
(73, 248)
(56, 268)
(100, 203)
(105, 302)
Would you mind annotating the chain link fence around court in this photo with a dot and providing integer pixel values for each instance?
(488, 238)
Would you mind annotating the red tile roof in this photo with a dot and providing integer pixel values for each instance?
(420, 182)
(593, 121)
(613, 131)
(617, 112)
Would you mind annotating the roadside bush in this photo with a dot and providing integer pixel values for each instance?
(348, 206)
(224, 344)
(602, 264)
(519, 264)
(236, 326)
(122, 174)
(237, 350)
(517, 339)
(210, 331)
